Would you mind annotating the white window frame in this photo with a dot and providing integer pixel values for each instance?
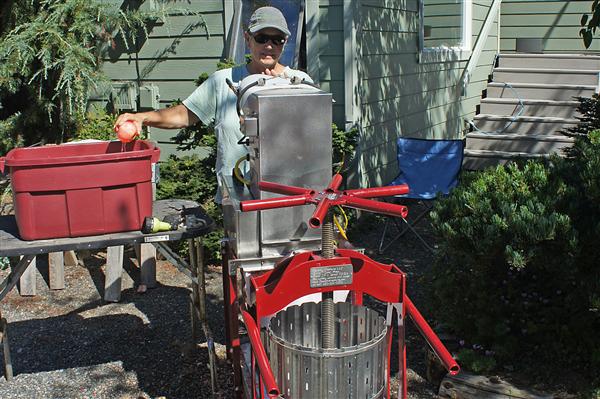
(447, 54)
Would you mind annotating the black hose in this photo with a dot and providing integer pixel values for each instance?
(241, 93)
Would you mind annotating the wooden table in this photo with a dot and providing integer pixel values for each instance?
(195, 224)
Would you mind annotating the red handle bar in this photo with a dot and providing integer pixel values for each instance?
(327, 198)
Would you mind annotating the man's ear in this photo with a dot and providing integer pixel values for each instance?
(247, 38)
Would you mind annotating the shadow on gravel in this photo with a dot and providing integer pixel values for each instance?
(147, 338)
(153, 340)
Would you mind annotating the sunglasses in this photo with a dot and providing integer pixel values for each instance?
(277, 40)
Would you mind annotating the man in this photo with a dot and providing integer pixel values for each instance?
(213, 102)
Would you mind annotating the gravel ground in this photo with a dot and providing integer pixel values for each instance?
(71, 344)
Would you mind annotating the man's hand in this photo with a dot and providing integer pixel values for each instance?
(175, 117)
(269, 72)
(137, 119)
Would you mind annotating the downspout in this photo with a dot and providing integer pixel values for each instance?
(352, 83)
(229, 14)
(311, 11)
(235, 29)
(350, 64)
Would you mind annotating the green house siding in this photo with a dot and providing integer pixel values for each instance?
(443, 20)
(556, 22)
(394, 94)
(173, 55)
(400, 96)
(330, 50)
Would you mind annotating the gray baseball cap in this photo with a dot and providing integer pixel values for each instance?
(268, 17)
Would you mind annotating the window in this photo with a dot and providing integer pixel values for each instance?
(444, 30)
(294, 53)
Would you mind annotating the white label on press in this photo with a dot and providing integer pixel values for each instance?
(329, 276)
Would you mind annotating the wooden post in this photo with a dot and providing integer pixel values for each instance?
(113, 274)
(147, 262)
(56, 270)
(194, 295)
(70, 258)
(469, 386)
(27, 282)
(8, 369)
(199, 299)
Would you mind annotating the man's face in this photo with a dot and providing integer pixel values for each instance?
(267, 53)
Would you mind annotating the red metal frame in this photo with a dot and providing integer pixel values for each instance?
(290, 279)
(260, 356)
(231, 305)
(431, 338)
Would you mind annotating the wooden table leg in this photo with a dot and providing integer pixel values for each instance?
(16, 271)
(147, 262)
(70, 258)
(27, 281)
(199, 299)
(113, 274)
(8, 369)
(5, 286)
(56, 270)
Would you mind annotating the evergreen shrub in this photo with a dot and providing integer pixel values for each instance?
(51, 54)
(96, 124)
(193, 178)
(517, 272)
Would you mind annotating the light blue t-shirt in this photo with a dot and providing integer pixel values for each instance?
(213, 102)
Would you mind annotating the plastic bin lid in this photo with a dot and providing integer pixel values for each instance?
(74, 153)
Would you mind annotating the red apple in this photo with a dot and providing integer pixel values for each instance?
(127, 131)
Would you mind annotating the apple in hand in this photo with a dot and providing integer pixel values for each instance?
(127, 131)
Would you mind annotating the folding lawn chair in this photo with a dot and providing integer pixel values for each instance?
(429, 167)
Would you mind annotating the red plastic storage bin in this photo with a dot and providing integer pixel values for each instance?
(81, 189)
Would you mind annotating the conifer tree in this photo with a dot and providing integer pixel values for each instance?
(50, 58)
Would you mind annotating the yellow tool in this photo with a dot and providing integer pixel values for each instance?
(154, 225)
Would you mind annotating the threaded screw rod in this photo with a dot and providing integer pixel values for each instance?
(327, 305)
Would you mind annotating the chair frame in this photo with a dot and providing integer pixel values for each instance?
(403, 229)
(427, 202)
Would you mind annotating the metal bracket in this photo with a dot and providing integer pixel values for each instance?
(390, 312)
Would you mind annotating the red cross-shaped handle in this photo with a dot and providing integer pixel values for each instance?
(331, 196)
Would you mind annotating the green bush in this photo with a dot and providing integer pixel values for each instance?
(589, 117)
(581, 173)
(193, 178)
(97, 125)
(344, 145)
(517, 271)
(9, 139)
(187, 177)
(476, 360)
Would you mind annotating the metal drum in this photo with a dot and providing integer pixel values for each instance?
(355, 368)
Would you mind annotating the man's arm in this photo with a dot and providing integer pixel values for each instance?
(176, 117)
